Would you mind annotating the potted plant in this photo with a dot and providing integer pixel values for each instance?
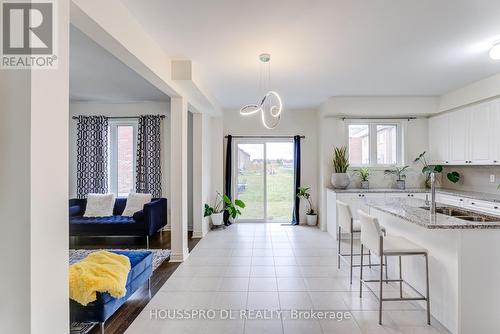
(216, 212)
(364, 173)
(400, 173)
(311, 215)
(340, 179)
(428, 169)
(233, 208)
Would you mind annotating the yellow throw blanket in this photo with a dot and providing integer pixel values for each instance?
(101, 271)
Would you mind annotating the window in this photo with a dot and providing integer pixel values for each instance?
(122, 152)
(374, 144)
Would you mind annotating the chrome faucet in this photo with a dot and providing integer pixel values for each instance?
(433, 194)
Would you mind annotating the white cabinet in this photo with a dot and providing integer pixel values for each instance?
(458, 137)
(358, 201)
(469, 136)
(483, 120)
(483, 206)
(450, 200)
(439, 139)
(407, 195)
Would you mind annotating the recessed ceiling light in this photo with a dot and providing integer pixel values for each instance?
(495, 51)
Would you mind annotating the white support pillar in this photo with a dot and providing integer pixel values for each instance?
(178, 178)
(34, 121)
(198, 136)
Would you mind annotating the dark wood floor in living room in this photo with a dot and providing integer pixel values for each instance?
(122, 318)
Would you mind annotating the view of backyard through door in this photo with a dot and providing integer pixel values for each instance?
(264, 179)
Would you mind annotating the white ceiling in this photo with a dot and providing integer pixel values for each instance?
(98, 76)
(323, 48)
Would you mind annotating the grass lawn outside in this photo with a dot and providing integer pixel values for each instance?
(279, 192)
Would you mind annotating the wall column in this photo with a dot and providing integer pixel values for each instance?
(178, 178)
(34, 120)
(198, 153)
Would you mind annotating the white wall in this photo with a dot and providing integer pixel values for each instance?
(332, 133)
(293, 122)
(116, 110)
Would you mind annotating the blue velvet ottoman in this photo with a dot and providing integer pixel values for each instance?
(104, 307)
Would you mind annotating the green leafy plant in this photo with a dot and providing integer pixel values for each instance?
(217, 208)
(233, 208)
(340, 159)
(400, 172)
(363, 173)
(304, 193)
(428, 169)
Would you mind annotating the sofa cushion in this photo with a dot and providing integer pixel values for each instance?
(135, 202)
(105, 226)
(102, 220)
(99, 205)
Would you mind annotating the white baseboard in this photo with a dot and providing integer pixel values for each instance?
(179, 257)
(197, 235)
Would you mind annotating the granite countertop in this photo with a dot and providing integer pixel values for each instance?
(410, 210)
(380, 190)
(461, 193)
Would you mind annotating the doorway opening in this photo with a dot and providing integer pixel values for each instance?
(263, 177)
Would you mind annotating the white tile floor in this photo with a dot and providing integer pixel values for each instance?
(273, 267)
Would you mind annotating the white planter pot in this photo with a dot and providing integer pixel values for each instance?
(312, 220)
(401, 184)
(365, 185)
(217, 218)
(340, 180)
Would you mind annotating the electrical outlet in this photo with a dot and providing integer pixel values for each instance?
(492, 178)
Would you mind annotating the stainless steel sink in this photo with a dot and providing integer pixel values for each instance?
(464, 214)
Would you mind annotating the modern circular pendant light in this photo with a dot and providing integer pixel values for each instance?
(271, 106)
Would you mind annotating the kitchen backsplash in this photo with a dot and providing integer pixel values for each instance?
(474, 178)
(414, 179)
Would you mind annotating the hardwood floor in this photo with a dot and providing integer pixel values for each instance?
(122, 318)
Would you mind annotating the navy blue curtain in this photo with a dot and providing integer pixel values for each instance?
(296, 183)
(229, 159)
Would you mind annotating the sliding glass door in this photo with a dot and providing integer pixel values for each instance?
(263, 179)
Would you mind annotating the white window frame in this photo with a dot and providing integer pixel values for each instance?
(113, 152)
(372, 137)
(234, 175)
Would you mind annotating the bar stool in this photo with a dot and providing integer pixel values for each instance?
(350, 225)
(383, 246)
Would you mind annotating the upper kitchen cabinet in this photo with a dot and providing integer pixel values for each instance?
(458, 137)
(483, 128)
(469, 136)
(439, 136)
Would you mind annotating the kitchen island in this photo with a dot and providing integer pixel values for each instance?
(464, 263)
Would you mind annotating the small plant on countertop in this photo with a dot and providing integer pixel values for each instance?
(340, 159)
(363, 173)
(428, 169)
(400, 172)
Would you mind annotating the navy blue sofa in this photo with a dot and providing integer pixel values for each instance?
(144, 223)
(141, 268)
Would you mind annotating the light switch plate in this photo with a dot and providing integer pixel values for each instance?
(492, 178)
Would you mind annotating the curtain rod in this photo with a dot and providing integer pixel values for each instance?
(409, 118)
(270, 137)
(112, 117)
